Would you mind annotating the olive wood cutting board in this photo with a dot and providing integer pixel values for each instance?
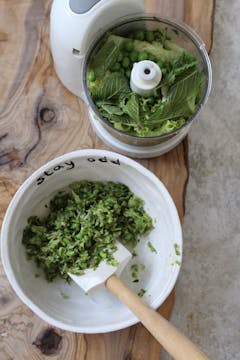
(40, 120)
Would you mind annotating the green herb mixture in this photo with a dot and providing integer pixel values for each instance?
(82, 227)
(176, 98)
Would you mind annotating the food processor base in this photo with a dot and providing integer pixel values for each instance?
(139, 152)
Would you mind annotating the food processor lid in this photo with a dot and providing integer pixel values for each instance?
(80, 6)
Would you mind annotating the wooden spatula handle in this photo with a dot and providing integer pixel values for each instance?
(177, 344)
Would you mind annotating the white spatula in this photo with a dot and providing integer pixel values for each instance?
(92, 278)
(177, 344)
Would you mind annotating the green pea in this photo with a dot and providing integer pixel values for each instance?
(91, 76)
(134, 56)
(166, 47)
(157, 36)
(151, 100)
(128, 45)
(149, 36)
(125, 62)
(116, 67)
(139, 35)
(160, 63)
(164, 71)
(143, 56)
(128, 74)
(120, 57)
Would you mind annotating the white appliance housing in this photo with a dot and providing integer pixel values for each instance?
(74, 24)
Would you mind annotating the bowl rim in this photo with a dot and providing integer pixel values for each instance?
(20, 193)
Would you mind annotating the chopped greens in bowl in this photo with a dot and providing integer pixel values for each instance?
(62, 304)
(82, 227)
(176, 99)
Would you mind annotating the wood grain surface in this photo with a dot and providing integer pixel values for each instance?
(40, 120)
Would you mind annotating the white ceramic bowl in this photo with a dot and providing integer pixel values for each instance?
(99, 311)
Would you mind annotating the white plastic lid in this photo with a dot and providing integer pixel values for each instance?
(145, 77)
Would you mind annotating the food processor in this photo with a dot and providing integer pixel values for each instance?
(77, 29)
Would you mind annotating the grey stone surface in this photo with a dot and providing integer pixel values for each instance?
(208, 292)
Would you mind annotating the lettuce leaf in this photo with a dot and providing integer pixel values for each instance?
(130, 106)
(173, 51)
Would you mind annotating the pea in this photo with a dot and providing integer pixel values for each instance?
(143, 56)
(125, 62)
(120, 57)
(149, 36)
(128, 74)
(139, 35)
(164, 71)
(128, 45)
(166, 47)
(157, 36)
(134, 56)
(116, 67)
(91, 76)
(151, 100)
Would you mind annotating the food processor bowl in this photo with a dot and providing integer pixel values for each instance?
(148, 146)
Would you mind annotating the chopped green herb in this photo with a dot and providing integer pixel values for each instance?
(134, 272)
(175, 31)
(176, 263)
(176, 247)
(141, 292)
(82, 227)
(134, 254)
(151, 247)
(64, 296)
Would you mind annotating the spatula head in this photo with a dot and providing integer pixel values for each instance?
(92, 278)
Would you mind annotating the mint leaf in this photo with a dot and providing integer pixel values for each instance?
(111, 85)
(107, 55)
(180, 101)
(130, 106)
(112, 109)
